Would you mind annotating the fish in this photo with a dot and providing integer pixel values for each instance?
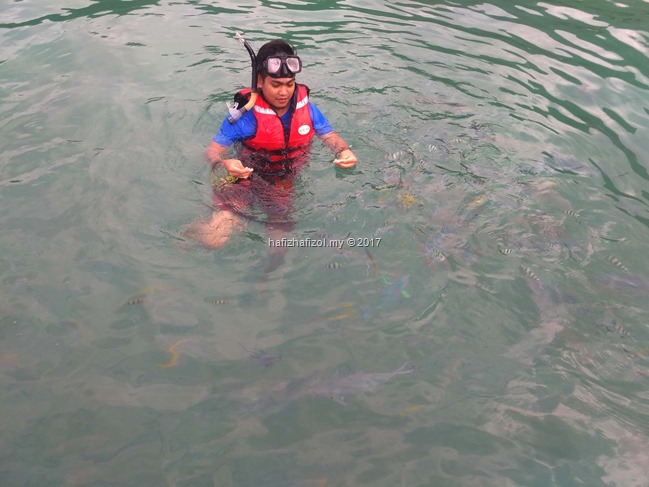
(392, 294)
(623, 283)
(137, 300)
(332, 265)
(529, 273)
(340, 313)
(338, 387)
(408, 410)
(375, 266)
(617, 329)
(174, 354)
(260, 356)
(617, 263)
(395, 156)
(407, 200)
(435, 247)
(386, 227)
(217, 301)
(476, 125)
(340, 316)
(147, 295)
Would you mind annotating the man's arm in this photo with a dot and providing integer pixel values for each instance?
(216, 153)
(345, 158)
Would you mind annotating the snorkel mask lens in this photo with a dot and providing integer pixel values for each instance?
(283, 66)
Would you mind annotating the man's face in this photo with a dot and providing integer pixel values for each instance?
(278, 91)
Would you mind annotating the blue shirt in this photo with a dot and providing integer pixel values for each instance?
(246, 126)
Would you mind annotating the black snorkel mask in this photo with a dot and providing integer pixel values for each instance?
(281, 66)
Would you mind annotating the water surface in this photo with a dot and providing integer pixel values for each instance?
(502, 161)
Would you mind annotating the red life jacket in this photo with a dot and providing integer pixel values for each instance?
(272, 151)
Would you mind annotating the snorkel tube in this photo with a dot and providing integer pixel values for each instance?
(235, 112)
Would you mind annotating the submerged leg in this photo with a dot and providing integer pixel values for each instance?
(215, 232)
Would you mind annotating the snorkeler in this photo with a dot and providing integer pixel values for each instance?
(275, 123)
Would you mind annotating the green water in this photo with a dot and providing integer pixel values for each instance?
(502, 161)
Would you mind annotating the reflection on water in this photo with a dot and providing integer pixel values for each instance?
(501, 163)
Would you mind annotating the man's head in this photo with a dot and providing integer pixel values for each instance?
(278, 59)
(277, 65)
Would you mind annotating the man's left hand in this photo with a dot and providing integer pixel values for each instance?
(345, 159)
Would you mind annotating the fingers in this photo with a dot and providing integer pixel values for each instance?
(345, 163)
(243, 173)
(345, 159)
(237, 169)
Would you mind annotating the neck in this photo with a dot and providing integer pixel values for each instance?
(280, 111)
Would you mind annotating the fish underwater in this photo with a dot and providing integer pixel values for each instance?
(338, 387)
(174, 354)
(448, 242)
(433, 249)
(393, 293)
(260, 357)
(617, 282)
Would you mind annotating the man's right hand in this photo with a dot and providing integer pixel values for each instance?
(236, 168)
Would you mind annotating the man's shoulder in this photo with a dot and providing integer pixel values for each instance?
(244, 124)
(242, 129)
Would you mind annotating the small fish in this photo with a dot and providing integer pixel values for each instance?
(407, 200)
(337, 387)
(475, 202)
(505, 251)
(618, 329)
(341, 316)
(476, 126)
(375, 266)
(393, 156)
(433, 248)
(623, 283)
(383, 229)
(137, 300)
(332, 265)
(393, 293)
(433, 148)
(217, 301)
(174, 354)
(260, 356)
(396, 289)
(571, 213)
(227, 181)
(407, 410)
(617, 263)
(529, 273)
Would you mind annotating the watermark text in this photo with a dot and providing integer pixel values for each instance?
(327, 243)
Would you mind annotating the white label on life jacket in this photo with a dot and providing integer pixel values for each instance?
(303, 130)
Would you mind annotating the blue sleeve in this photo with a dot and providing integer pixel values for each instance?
(320, 123)
(242, 129)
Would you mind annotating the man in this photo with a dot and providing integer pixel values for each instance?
(276, 135)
